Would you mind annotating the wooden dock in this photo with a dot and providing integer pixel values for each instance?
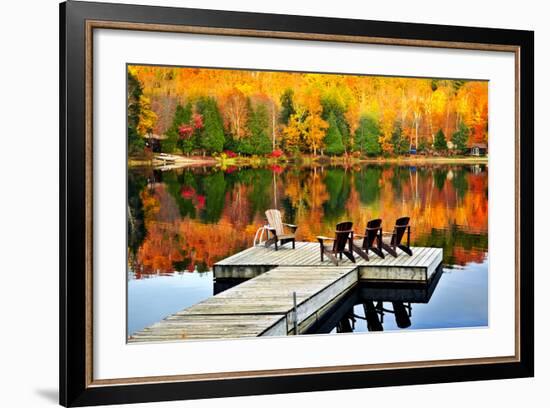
(263, 306)
(256, 260)
(288, 291)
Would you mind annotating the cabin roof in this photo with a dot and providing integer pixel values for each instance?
(478, 145)
(158, 137)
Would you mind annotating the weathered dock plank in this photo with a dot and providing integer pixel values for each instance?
(262, 306)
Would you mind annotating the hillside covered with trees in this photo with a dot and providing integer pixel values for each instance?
(209, 111)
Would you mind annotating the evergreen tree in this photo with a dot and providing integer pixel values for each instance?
(258, 126)
(440, 176)
(182, 115)
(136, 143)
(187, 145)
(367, 136)
(440, 143)
(331, 106)
(287, 106)
(460, 137)
(333, 138)
(399, 143)
(212, 137)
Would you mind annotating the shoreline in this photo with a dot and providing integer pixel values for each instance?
(427, 160)
(191, 161)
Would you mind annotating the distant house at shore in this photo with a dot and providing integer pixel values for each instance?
(153, 142)
(477, 149)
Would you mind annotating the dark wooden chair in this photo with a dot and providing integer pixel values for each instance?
(372, 240)
(277, 232)
(395, 238)
(341, 244)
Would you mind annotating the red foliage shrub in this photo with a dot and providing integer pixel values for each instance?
(187, 192)
(197, 121)
(185, 131)
(277, 169)
(201, 201)
(276, 153)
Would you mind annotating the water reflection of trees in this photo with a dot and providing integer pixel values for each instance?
(189, 219)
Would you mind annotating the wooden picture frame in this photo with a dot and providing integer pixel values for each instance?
(77, 22)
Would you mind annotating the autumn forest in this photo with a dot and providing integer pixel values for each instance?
(204, 111)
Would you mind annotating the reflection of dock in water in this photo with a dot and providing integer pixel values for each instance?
(291, 291)
(373, 296)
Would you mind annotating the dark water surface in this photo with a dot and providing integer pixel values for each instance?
(183, 221)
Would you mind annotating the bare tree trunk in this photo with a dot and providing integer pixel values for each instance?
(273, 123)
(275, 190)
(447, 120)
(417, 120)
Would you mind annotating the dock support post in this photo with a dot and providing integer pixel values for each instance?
(295, 314)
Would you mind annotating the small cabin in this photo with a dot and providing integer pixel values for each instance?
(477, 149)
(154, 141)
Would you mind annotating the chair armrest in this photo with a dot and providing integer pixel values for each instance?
(272, 230)
(387, 233)
(343, 232)
(292, 227)
(322, 238)
(360, 235)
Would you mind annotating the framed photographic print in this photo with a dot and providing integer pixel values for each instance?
(256, 203)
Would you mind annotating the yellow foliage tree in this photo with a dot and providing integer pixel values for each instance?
(147, 117)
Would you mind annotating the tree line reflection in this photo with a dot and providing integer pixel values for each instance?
(188, 219)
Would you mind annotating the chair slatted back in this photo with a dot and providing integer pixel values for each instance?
(401, 225)
(343, 231)
(371, 232)
(275, 221)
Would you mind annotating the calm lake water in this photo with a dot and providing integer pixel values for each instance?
(183, 221)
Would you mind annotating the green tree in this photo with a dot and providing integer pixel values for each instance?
(460, 182)
(136, 143)
(399, 143)
(182, 115)
(368, 184)
(258, 126)
(136, 225)
(330, 106)
(460, 137)
(440, 143)
(333, 138)
(367, 136)
(175, 183)
(338, 185)
(213, 188)
(440, 176)
(212, 137)
(287, 106)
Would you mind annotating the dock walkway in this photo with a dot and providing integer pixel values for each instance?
(264, 305)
